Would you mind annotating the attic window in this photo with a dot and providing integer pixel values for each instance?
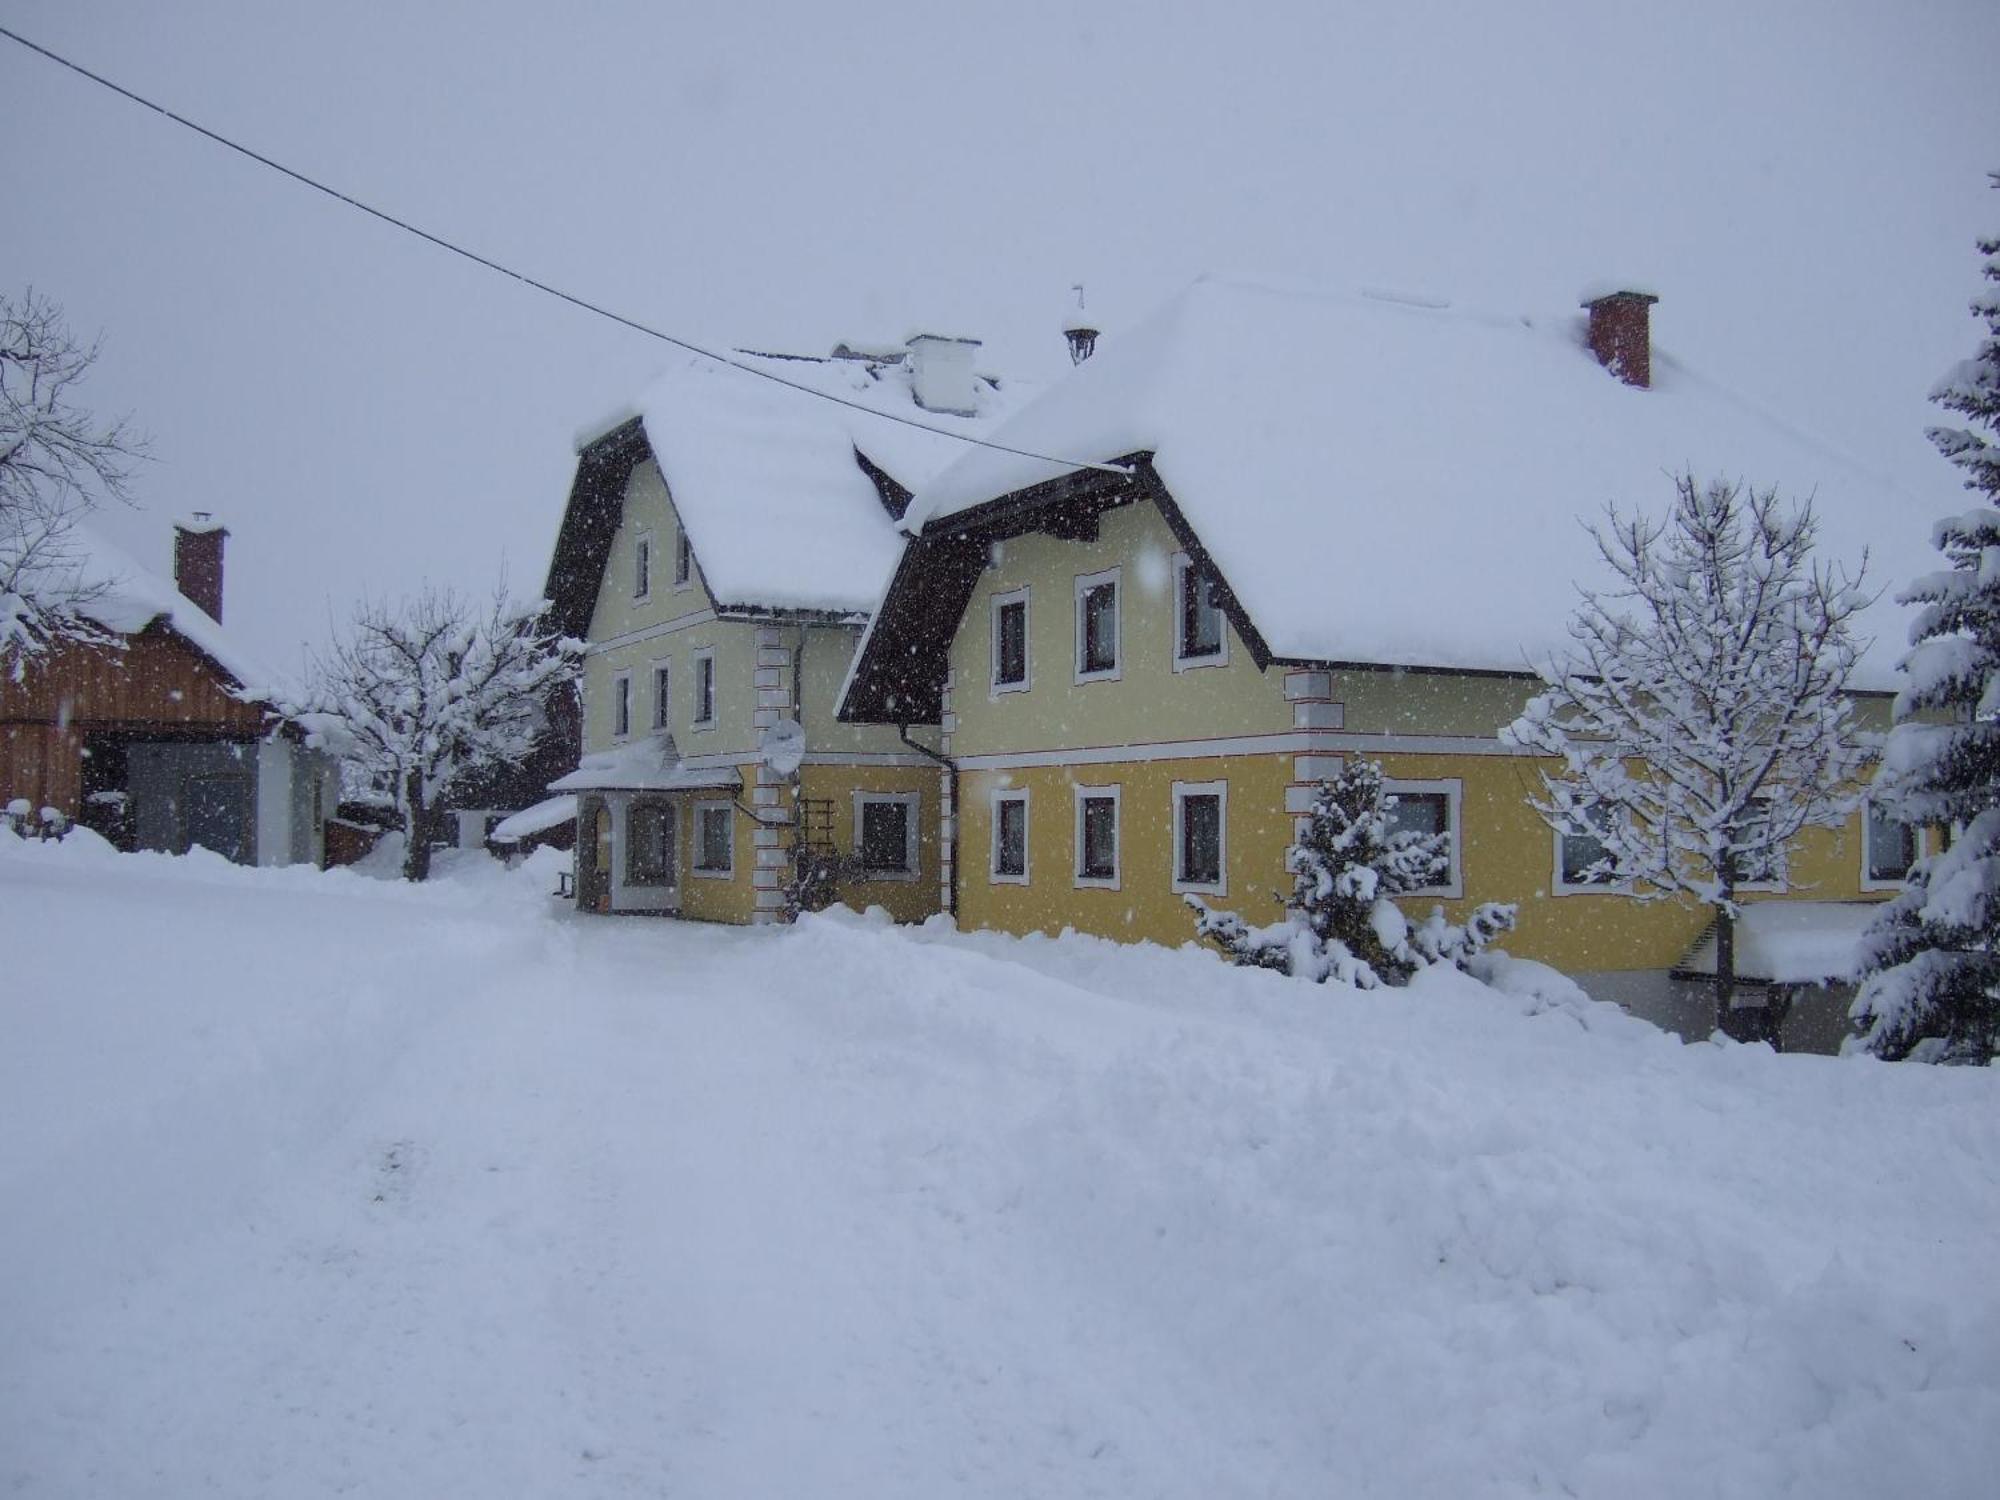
(1198, 639)
(642, 565)
(1097, 626)
(683, 558)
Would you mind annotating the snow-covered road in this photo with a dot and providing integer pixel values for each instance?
(311, 1185)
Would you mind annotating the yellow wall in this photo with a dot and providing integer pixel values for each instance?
(1507, 853)
(905, 900)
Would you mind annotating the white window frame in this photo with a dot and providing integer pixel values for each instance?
(663, 702)
(1561, 887)
(1220, 886)
(1453, 789)
(1085, 582)
(683, 559)
(995, 687)
(696, 658)
(1869, 882)
(912, 803)
(695, 867)
(1116, 792)
(642, 567)
(1186, 568)
(621, 705)
(1009, 794)
(673, 878)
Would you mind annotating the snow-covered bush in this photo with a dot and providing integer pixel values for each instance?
(1701, 716)
(19, 817)
(1931, 989)
(1340, 922)
(417, 696)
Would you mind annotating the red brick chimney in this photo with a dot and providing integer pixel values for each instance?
(1621, 334)
(198, 562)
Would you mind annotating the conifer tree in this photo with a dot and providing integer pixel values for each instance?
(1932, 962)
(1341, 922)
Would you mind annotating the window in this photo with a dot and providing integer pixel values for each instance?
(1010, 838)
(662, 696)
(621, 705)
(649, 837)
(885, 831)
(1582, 860)
(1097, 626)
(642, 565)
(1762, 867)
(683, 558)
(714, 850)
(1097, 836)
(1430, 807)
(704, 688)
(1199, 639)
(1010, 641)
(1199, 815)
(1888, 848)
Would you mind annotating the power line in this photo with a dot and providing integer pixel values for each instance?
(541, 286)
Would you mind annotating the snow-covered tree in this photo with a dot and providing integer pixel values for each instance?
(425, 693)
(57, 461)
(1932, 962)
(1701, 716)
(1341, 921)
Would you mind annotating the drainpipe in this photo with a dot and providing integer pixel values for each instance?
(957, 812)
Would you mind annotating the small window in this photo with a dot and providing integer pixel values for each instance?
(1889, 847)
(1200, 635)
(1766, 866)
(885, 831)
(1583, 857)
(1010, 837)
(1428, 807)
(1198, 835)
(704, 688)
(1010, 641)
(642, 566)
(683, 559)
(662, 695)
(1097, 836)
(650, 844)
(621, 705)
(1097, 626)
(715, 852)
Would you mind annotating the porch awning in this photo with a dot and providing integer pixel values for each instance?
(647, 765)
(530, 821)
(1791, 942)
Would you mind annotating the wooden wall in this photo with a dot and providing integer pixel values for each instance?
(156, 683)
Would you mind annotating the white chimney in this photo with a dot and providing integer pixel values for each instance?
(941, 374)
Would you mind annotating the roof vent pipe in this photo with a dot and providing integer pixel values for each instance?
(1078, 328)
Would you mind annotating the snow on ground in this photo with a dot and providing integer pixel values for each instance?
(317, 1184)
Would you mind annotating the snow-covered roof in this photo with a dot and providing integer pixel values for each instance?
(764, 476)
(1793, 942)
(132, 596)
(1388, 478)
(648, 764)
(529, 821)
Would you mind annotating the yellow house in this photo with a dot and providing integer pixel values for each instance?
(719, 553)
(1279, 527)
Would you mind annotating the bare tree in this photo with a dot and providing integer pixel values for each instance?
(57, 461)
(424, 693)
(1702, 716)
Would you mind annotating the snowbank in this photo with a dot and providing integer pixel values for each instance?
(440, 1191)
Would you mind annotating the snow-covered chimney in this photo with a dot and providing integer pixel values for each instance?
(941, 374)
(1621, 332)
(198, 562)
(1078, 328)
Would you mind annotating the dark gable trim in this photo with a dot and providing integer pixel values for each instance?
(1153, 488)
(899, 678)
(895, 498)
(590, 520)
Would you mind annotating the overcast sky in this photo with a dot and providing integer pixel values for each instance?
(1800, 183)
